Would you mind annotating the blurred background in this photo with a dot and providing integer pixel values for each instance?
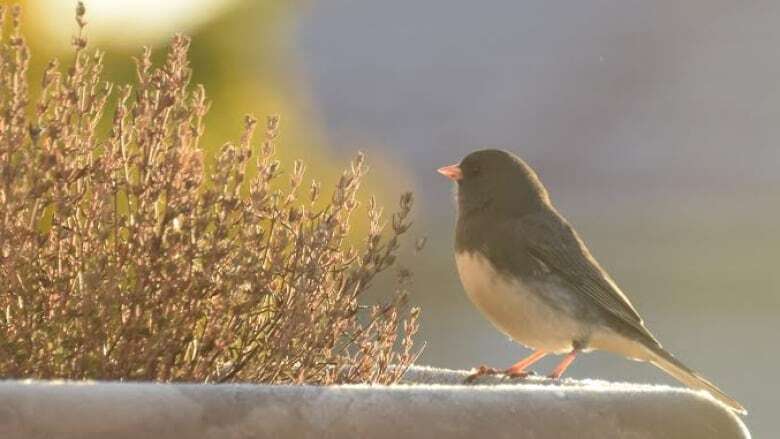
(655, 126)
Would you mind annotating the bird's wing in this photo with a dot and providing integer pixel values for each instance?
(551, 240)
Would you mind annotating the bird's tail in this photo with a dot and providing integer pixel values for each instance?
(666, 362)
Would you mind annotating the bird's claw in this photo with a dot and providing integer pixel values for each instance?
(481, 370)
(516, 375)
(520, 374)
(508, 373)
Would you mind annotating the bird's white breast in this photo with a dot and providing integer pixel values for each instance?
(516, 308)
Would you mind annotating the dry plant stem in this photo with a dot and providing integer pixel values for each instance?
(120, 258)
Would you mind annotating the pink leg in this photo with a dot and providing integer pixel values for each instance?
(564, 364)
(518, 369)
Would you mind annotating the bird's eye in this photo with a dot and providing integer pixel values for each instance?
(475, 171)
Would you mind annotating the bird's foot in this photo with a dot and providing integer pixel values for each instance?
(518, 374)
(481, 371)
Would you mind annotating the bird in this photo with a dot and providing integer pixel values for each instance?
(528, 271)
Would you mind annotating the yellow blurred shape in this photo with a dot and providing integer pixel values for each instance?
(126, 23)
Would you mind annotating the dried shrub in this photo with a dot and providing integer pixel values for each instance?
(121, 259)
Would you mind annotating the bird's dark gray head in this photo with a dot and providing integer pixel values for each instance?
(496, 181)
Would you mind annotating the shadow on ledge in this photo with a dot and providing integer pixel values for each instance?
(431, 403)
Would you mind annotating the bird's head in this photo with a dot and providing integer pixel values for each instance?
(498, 181)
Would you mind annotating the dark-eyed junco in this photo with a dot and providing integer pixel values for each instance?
(528, 271)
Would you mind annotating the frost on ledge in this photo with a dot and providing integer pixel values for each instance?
(432, 403)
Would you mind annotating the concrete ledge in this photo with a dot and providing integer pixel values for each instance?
(433, 404)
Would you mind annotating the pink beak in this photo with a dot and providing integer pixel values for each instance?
(452, 172)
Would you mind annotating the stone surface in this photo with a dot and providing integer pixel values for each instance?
(434, 403)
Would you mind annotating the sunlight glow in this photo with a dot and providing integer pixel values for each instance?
(127, 23)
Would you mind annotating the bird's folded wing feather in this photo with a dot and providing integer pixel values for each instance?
(550, 239)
